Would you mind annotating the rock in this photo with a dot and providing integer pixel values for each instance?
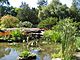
(27, 58)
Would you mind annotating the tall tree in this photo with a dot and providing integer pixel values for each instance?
(76, 3)
(54, 9)
(75, 10)
(2, 8)
(27, 14)
(4, 2)
(42, 2)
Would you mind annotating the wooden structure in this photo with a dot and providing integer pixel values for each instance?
(26, 31)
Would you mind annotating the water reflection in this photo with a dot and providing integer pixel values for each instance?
(4, 52)
(47, 57)
(11, 52)
(12, 55)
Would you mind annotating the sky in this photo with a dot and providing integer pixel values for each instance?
(33, 3)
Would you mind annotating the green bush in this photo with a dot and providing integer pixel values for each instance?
(9, 21)
(16, 35)
(26, 24)
(51, 35)
(48, 23)
(24, 54)
(57, 55)
(65, 32)
(78, 43)
(68, 34)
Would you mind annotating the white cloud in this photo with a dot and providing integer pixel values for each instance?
(67, 2)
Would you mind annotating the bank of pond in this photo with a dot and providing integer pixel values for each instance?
(20, 34)
(17, 44)
(20, 51)
(41, 51)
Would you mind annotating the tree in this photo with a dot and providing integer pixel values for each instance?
(76, 3)
(54, 9)
(27, 14)
(42, 2)
(48, 23)
(9, 21)
(75, 12)
(2, 2)
(4, 10)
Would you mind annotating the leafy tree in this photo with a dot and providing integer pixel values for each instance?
(9, 21)
(54, 9)
(74, 11)
(76, 3)
(4, 2)
(4, 10)
(27, 14)
(42, 2)
(48, 23)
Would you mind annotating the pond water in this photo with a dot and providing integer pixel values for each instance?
(11, 51)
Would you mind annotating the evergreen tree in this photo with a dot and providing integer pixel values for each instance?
(42, 2)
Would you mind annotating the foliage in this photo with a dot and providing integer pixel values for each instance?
(78, 43)
(9, 21)
(64, 32)
(4, 10)
(42, 2)
(27, 14)
(56, 9)
(26, 24)
(16, 35)
(51, 35)
(68, 35)
(57, 55)
(24, 53)
(48, 23)
(2, 2)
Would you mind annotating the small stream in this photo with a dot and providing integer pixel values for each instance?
(10, 51)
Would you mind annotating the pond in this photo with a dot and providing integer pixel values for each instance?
(11, 51)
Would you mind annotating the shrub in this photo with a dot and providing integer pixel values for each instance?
(25, 24)
(16, 35)
(57, 55)
(48, 23)
(9, 21)
(78, 43)
(24, 53)
(51, 35)
(65, 32)
(68, 34)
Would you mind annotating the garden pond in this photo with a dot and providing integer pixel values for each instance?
(11, 51)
